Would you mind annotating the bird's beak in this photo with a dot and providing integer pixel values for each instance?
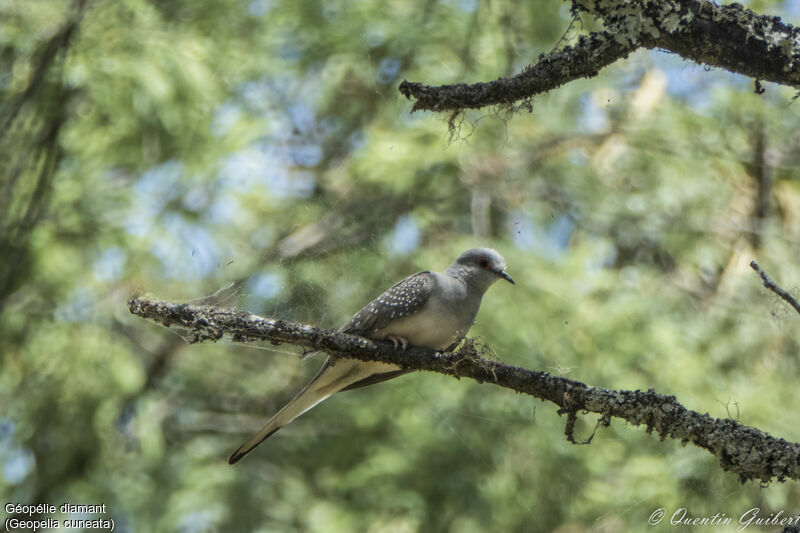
(506, 277)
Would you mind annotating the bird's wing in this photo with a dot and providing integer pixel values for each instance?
(402, 299)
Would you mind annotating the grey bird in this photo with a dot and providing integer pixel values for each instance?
(430, 309)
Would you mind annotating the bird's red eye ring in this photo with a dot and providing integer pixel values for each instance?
(483, 262)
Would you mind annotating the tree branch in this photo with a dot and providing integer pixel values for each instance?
(746, 451)
(731, 37)
(584, 60)
(771, 285)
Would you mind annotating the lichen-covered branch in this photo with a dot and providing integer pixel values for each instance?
(731, 37)
(746, 451)
(582, 60)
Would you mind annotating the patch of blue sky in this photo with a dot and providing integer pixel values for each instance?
(6, 428)
(357, 140)
(594, 117)
(290, 51)
(185, 250)
(578, 157)
(550, 242)
(306, 154)
(263, 237)
(695, 84)
(267, 166)
(388, 69)
(205, 255)
(262, 95)
(139, 224)
(405, 237)
(224, 209)
(243, 170)
(302, 116)
(607, 259)
(265, 285)
(199, 520)
(157, 186)
(18, 463)
(467, 6)
(259, 8)
(77, 307)
(225, 117)
(154, 189)
(197, 198)
(110, 264)
(787, 7)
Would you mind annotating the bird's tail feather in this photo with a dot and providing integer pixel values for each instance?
(328, 381)
(304, 400)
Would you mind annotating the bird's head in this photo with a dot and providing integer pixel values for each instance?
(480, 266)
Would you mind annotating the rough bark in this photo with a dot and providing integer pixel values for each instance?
(730, 37)
(745, 451)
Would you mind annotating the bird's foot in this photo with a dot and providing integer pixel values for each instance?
(398, 342)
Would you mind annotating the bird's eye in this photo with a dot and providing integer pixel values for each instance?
(483, 262)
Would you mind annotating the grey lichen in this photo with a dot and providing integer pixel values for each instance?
(729, 36)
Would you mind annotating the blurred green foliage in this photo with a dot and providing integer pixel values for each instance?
(174, 147)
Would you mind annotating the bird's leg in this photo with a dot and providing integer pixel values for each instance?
(398, 341)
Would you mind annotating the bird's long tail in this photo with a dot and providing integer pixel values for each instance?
(329, 380)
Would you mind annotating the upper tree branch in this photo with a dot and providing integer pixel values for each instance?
(731, 37)
(584, 60)
(747, 451)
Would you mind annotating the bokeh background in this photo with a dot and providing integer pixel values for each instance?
(176, 147)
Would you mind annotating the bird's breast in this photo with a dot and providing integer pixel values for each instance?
(437, 325)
